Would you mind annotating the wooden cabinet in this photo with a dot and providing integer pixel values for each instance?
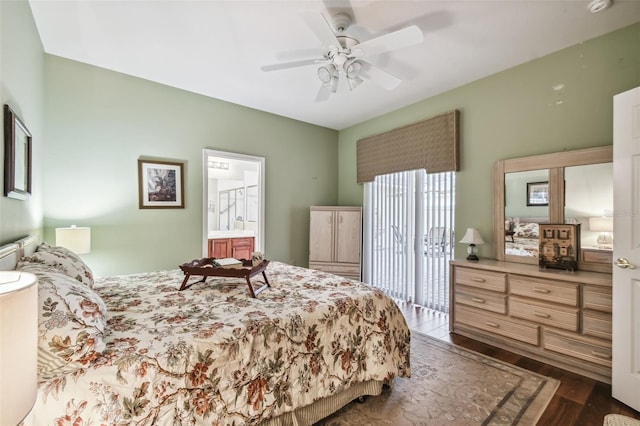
(335, 235)
(557, 317)
(239, 248)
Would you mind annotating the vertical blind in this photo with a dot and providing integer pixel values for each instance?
(408, 235)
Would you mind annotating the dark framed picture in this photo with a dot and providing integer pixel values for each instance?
(161, 184)
(17, 156)
(538, 193)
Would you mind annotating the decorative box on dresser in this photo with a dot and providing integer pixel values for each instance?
(558, 317)
(335, 235)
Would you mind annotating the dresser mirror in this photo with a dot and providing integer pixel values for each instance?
(573, 187)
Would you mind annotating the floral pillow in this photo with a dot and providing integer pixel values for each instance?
(71, 325)
(60, 259)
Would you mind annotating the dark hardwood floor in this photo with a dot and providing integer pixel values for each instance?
(579, 401)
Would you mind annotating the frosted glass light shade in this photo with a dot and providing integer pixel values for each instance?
(18, 345)
(77, 239)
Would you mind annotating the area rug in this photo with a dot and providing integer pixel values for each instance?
(450, 385)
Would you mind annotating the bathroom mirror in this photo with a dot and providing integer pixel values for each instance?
(233, 197)
(565, 187)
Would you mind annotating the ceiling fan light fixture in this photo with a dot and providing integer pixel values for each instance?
(326, 72)
(352, 68)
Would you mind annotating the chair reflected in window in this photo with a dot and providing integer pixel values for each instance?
(398, 239)
(437, 241)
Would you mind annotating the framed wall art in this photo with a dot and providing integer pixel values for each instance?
(161, 184)
(538, 193)
(17, 156)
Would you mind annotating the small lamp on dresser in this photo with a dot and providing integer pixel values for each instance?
(18, 345)
(473, 238)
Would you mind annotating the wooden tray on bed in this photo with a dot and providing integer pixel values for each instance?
(204, 267)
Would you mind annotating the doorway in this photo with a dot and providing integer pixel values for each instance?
(233, 197)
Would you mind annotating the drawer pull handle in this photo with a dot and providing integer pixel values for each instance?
(601, 355)
(541, 315)
(478, 280)
(541, 290)
(477, 300)
(492, 324)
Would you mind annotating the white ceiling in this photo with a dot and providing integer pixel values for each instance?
(216, 48)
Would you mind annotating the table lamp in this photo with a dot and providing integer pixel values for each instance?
(18, 345)
(77, 239)
(604, 225)
(473, 238)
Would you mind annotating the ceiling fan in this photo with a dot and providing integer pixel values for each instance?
(345, 59)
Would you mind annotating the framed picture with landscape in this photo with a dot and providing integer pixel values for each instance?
(538, 193)
(160, 184)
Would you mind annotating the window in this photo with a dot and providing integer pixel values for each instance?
(408, 236)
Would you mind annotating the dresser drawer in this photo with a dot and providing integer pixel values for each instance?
(551, 291)
(488, 280)
(544, 313)
(598, 298)
(481, 299)
(597, 324)
(588, 349)
(497, 324)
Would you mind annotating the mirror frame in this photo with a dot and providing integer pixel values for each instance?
(555, 163)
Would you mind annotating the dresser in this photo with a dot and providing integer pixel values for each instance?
(335, 238)
(558, 317)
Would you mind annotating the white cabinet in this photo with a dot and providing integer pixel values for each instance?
(335, 235)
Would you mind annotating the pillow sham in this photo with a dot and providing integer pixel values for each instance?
(60, 259)
(71, 324)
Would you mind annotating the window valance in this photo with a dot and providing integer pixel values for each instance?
(431, 144)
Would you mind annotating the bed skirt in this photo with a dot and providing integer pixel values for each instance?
(310, 414)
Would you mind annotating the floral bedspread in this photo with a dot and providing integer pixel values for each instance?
(213, 355)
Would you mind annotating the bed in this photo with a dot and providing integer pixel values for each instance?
(134, 350)
(521, 236)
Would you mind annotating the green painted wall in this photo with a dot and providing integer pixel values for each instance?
(98, 123)
(515, 113)
(22, 88)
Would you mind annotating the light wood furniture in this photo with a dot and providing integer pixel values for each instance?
(335, 235)
(558, 317)
(239, 248)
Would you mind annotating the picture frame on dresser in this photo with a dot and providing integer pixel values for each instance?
(17, 156)
(160, 184)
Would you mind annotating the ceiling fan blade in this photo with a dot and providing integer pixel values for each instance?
(378, 76)
(323, 93)
(321, 28)
(292, 64)
(405, 37)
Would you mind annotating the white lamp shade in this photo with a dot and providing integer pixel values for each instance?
(601, 224)
(472, 236)
(77, 239)
(18, 345)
